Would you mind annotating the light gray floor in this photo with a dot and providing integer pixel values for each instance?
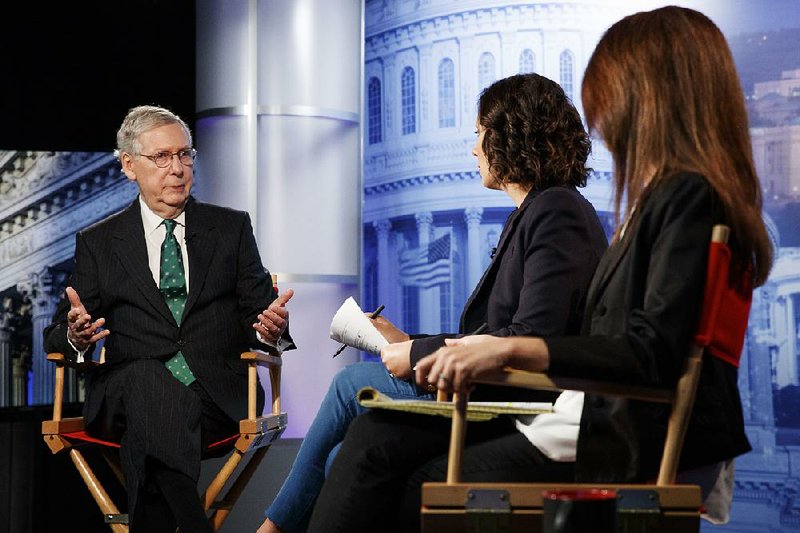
(248, 513)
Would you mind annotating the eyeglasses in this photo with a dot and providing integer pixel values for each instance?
(164, 159)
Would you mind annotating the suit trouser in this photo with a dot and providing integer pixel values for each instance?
(375, 481)
(163, 426)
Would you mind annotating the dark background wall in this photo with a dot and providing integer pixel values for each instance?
(69, 71)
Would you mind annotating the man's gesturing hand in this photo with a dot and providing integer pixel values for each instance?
(81, 331)
(273, 320)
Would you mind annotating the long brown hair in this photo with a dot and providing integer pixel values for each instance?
(662, 91)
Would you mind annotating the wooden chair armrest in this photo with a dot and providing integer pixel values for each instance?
(262, 358)
(65, 425)
(61, 359)
(61, 362)
(513, 377)
(256, 358)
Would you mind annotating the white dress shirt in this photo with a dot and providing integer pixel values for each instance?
(556, 434)
(154, 234)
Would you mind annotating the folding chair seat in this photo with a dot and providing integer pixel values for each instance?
(662, 506)
(256, 433)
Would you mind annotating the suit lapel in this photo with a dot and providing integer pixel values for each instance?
(128, 243)
(502, 244)
(201, 241)
(608, 264)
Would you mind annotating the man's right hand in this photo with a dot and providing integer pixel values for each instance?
(389, 331)
(81, 331)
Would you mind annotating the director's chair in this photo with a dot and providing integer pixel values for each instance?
(663, 506)
(256, 433)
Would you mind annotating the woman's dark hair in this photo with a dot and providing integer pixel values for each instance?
(534, 135)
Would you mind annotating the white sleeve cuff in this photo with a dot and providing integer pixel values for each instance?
(279, 347)
(81, 353)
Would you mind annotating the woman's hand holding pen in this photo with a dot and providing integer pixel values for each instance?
(389, 331)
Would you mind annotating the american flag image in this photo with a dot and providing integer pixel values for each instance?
(427, 266)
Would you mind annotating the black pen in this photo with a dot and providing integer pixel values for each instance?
(483, 327)
(373, 316)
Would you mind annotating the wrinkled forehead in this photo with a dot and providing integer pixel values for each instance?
(164, 137)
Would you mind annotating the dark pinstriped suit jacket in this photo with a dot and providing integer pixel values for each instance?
(228, 287)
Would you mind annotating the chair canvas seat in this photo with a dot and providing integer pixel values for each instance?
(85, 437)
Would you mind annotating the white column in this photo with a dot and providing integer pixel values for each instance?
(43, 290)
(275, 140)
(391, 95)
(385, 281)
(467, 65)
(19, 379)
(397, 289)
(428, 89)
(429, 306)
(473, 216)
(791, 336)
(6, 371)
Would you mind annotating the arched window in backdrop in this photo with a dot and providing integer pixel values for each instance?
(567, 72)
(375, 134)
(527, 61)
(408, 100)
(447, 94)
(486, 71)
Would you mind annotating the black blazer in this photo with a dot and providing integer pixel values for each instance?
(228, 287)
(641, 316)
(537, 281)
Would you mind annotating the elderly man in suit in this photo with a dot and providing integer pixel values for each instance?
(177, 290)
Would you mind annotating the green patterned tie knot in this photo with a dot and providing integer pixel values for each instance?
(172, 282)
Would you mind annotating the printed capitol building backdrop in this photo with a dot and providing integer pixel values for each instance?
(426, 64)
(429, 226)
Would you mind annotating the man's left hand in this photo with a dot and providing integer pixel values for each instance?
(273, 320)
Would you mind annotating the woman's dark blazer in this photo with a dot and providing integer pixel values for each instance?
(641, 317)
(537, 281)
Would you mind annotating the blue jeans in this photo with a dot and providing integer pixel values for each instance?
(292, 507)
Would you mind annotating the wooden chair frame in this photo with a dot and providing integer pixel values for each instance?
(680, 501)
(256, 433)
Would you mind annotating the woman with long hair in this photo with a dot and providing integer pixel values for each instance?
(661, 90)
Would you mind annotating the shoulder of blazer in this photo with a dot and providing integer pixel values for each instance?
(212, 215)
(112, 223)
(553, 199)
(670, 189)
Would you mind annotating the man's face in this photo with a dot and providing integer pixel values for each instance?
(164, 190)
